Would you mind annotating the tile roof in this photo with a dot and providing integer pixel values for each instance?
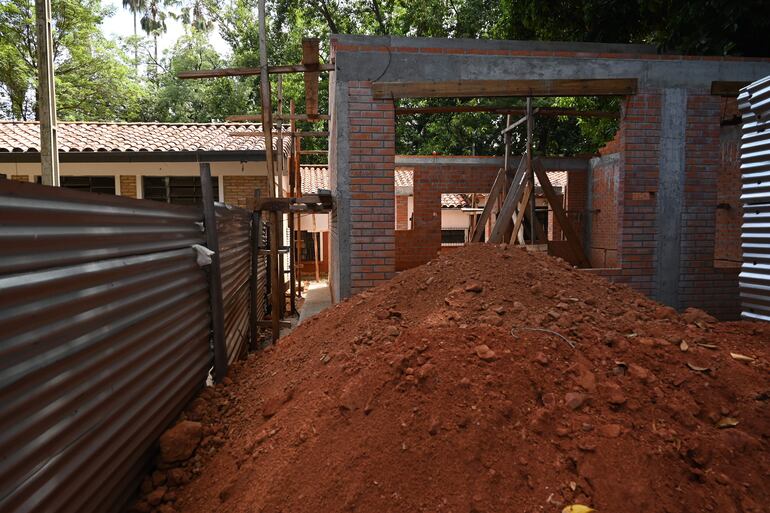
(317, 177)
(24, 136)
(404, 177)
(454, 201)
(314, 178)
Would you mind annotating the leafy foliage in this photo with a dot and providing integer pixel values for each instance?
(94, 81)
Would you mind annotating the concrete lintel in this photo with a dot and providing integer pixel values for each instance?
(671, 178)
(494, 44)
(549, 163)
(651, 73)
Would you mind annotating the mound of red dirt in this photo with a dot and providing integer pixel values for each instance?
(455, 387)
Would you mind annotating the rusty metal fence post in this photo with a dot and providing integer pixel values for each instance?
(253, 290)
(215, 274)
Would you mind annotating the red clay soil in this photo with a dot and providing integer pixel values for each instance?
(429, 393)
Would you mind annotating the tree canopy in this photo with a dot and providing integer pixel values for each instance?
(97, 80)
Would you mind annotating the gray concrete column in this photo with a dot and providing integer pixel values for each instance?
(670, 197)
(339, 168)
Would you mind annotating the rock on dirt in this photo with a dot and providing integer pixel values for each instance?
(179, 442)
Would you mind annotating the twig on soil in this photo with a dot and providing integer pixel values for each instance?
(568, 341)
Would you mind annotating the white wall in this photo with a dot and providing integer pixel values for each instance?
(138, 168)
(321, 221)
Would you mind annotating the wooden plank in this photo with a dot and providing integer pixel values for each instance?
(520, 210)
(249, 71)
(481, 88)
(558, 211)
(512, 126)
(541, 111)
(540, 235)
(724, 88)
(504, 217)
(310, 58)
(276, 116)
(259, 133)
(497, 187)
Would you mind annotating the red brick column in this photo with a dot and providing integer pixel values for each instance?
(639, 144)
(702, 284)
(372, 209)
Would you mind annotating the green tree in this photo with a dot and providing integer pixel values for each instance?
(136, 7)
(176, 100)
(154, 24)
(93, 79)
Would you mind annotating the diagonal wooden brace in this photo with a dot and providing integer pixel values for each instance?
(558, 211)
(504, 217)
(497, 187)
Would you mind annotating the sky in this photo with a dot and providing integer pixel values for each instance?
(121, 24)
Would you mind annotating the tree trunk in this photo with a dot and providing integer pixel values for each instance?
(136, 43)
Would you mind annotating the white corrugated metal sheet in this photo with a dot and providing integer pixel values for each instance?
(754, 102)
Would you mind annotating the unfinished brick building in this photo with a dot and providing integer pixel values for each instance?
(664, 195)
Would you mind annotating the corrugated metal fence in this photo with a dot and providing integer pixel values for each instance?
(105, 334)
(234, 230)
(754, 102)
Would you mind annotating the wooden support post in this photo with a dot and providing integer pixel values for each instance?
(292, 218)
(267, 128)
(310, 59)
(486, 214)
(520, 210)
(298, 180)
(316, 244)
(530, 170)
(503, 222)
(46, 97)
(558, 211)
(215, 274)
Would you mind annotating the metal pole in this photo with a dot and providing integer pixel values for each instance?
(215, 274)
(46, 97)
(530, 170)
(267, 128)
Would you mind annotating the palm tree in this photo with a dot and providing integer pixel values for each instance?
(135, 6)
(154, 23)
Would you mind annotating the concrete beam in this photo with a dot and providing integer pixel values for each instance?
(386, 63)
(549, 163)
(493, 44)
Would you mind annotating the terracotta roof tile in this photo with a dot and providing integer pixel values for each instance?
(24, 136)
(314, 178)
(317, 177)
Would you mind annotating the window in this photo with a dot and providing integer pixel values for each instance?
(179, 190)
(308, 247)
(102, 184)
(453, 237)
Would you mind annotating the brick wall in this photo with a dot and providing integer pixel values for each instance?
(605, 192)
(575, 201)
(402, 212)
(729, 211)
(702, 285)
(423, 242)
(639, 143)
(128, 186)
(372, 200)
(19, 178)
(239, 189)
(625, 188)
